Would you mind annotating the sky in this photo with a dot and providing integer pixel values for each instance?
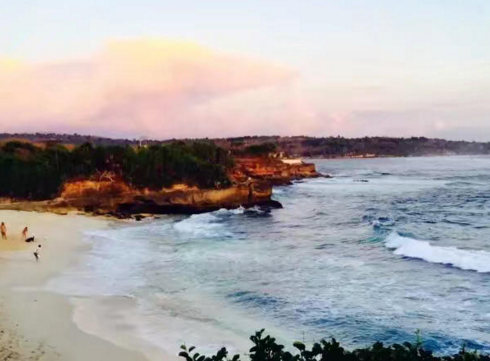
(219, 68)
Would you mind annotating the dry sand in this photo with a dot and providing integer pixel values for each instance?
(35, 324)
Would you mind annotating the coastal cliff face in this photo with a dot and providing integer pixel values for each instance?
(253, 179)
(252, 182)
(272, 170)
(117, 198)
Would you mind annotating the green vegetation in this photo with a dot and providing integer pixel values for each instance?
(385, 146)
(30, 172)
(260, 149)
(267, 349)
(305, 146)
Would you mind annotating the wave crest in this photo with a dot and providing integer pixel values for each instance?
(471, 260)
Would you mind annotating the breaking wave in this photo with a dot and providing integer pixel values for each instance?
(471, 260)
(208, 225)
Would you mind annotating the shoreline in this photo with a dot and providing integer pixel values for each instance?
(38, 324)
(312, 158)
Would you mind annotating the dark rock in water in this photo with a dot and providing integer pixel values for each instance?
(270, 204)
(262, 208)
(151, 207)
(115, 214)
(138, 217)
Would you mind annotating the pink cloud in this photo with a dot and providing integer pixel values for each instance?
(167, 89)
(134, 87)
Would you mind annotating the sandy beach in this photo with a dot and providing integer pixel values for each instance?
(36, 324)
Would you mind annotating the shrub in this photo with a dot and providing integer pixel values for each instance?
(30, 172)
(265, 348)
(260, 149)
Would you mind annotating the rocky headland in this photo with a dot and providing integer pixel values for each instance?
(252, 180)
(274, 171)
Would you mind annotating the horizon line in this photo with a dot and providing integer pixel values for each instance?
(146, 138)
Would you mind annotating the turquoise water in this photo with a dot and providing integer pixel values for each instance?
(386, 247)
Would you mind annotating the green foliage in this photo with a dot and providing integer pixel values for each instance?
(260, 149)
(384, 146)
(202, 164)
(267, 349)
(30, 172)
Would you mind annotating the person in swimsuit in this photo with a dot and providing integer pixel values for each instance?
(3, 230)
(24, 233)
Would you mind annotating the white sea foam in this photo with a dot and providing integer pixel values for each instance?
(224, 211)
(474, 260)
(207, 224)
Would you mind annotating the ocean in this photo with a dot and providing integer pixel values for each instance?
(386, 247)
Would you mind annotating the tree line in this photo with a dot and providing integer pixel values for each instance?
(385, 146)
(35, 173)
(265, 348)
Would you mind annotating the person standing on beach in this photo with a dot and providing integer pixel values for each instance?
(37, 252)
(24, 233)
(3, 230)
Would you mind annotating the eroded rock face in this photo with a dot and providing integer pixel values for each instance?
(91, 196)
(253, 179)
(272, 170)
(89, 188)
(119, 199)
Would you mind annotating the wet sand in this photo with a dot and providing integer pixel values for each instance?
(36, 324)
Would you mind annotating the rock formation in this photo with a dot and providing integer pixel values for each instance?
(252, 178)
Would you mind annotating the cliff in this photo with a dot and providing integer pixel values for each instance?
(272, 170)
(120, 200)
(252, 180)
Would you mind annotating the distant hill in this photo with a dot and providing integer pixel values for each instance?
(74, 139)
(303, 146)
(334, 147)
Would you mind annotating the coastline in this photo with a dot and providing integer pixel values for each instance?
(37, 324)
(320, 157)
(90, 313)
